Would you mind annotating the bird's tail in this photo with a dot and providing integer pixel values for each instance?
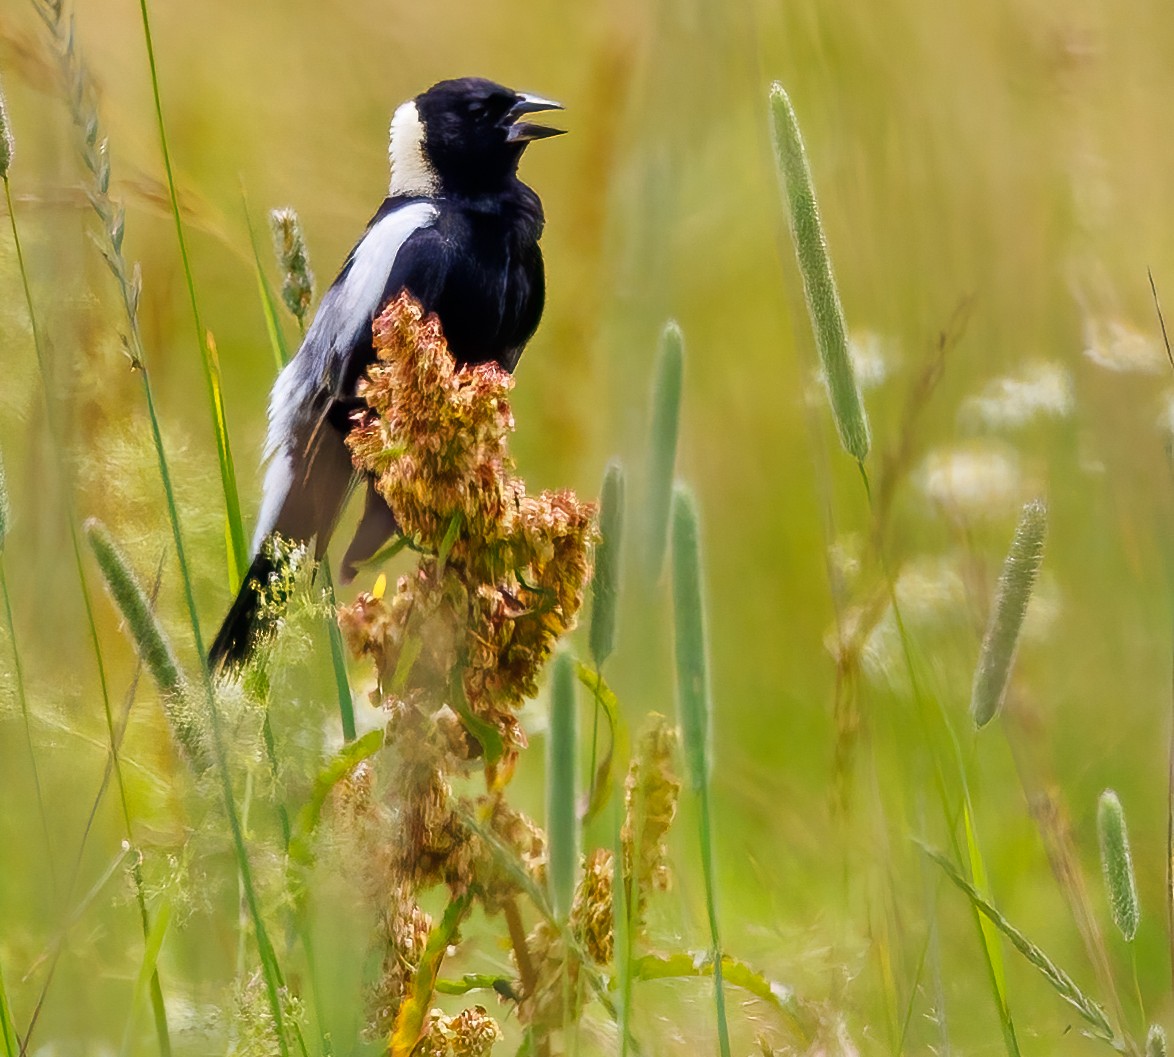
(244, 624)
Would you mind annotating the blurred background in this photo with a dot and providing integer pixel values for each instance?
(994, 181)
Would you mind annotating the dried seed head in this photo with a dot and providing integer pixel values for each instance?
(591, 915)
(511, 568)
(471, 1033)
(650, 805)
(297, 283)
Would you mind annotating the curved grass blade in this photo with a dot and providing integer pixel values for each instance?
(1060, 981)
(409, 1022)
(346, 760)
(603, 780)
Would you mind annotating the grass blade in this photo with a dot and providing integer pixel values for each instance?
(94, 156)
(605, 583)
(18, 677)
(561, 825)
(1001, 641)
(74, 73)
(819, 284)
(694, 698)
(238, 551)
(1061, 982)
(1117, 864)
(662, 453)
(268, 300)
(7, 1025)
(603, 775)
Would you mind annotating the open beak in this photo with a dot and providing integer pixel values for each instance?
(519, 131)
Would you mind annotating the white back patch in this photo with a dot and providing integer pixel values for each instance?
(346, 310)
(411, 172)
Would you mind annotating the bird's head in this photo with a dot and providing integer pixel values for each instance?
(465, 135)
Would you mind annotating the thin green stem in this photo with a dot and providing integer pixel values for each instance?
(22, 698)
(706, 834)
(156, 992)
(238, 549)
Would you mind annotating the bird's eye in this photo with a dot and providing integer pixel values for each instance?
(476, 111)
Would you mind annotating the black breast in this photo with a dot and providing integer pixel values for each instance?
(480, 270)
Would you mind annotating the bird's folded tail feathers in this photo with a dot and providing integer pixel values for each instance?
(245, 623)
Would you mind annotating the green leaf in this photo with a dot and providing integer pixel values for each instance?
(345, 760)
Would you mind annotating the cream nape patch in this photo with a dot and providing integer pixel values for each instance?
(411, 172)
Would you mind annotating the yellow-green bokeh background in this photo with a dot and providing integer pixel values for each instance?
(1015, 153)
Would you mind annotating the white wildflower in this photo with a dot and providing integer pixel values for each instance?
(980, 481)
(1040, 390)
(1121, 347)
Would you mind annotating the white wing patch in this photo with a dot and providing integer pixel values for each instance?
(346, 310)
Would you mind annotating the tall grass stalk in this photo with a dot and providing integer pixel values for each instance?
(621, 932)
(695, 704)
(238, 553)
(561, 828)
(51, 13)
(129, 287)
(1001, 641)
(819, 284)
(662, 450)
(605, 594)
(17, 665)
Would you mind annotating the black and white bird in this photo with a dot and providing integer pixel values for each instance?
(459, 231)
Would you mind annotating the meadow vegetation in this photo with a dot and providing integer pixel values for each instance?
(779, 663)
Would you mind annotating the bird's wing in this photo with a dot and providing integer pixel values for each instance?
(303, 491)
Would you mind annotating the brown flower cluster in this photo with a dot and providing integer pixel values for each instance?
(651, 791)
(505, 571)
(458, 645)
(471, 1033)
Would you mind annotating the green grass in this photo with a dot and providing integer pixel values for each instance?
(997, 158)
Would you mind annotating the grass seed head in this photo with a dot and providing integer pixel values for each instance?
(152, 644)
(7, 144)
(605, 584)
(1117, 865)
(1001, 641)
(4, 508)
(662, 454)
(819, 284)
(1155, 1041)
(297, 283)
